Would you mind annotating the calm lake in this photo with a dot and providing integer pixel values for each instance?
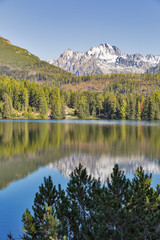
(30, 150)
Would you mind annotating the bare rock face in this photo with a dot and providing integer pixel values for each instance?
(104, 59)
(155, 69)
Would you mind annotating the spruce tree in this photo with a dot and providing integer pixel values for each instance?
(131, 107)
(119, 209)
(7, 110)
(145, 109)
(83, 108)
(151, 108)
(43, 108)
(42, 225)
(138, 110)
(56, 104)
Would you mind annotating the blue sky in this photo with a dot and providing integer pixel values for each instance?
(48, 27)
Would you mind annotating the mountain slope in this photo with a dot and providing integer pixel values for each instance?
(19, 63)
(15, 56)
(155, 69)
(104, 59)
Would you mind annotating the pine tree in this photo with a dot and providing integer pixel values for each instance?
(80, 193)
(99, 103)
(131, 107)
(56, 104)
(138, 110)
(122, 110)
(112, 106)
(145, 109)
(25, 100)
(63, 108)
(7, 110)
(151, 108)
(119, 209)
(43, 108)
(83, 108)
(119, 194)
(16, 95)
(43, 224)
(143, 204)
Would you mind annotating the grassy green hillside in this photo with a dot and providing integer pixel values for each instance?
(19, 63)
(15, 56)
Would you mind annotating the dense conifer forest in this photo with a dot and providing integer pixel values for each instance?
(125, 97)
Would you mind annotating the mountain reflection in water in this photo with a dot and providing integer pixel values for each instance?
(27, 145)
(101, 167)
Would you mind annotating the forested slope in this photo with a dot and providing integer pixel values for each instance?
(20, 63)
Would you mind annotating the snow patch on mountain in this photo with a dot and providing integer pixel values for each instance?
(104, 59)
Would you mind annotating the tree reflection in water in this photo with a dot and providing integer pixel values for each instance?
(25, 146)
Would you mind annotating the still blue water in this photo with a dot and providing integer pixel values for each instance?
(32, 150)
(19, 195)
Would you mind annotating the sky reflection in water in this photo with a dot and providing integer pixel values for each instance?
(30, 150)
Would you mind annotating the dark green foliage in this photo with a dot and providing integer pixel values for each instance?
(118, 210)
(144, 205)
(99, 102)
(131, 110)
(138, 109)
(42, 225)
(83, 107)
(7, 110)
(57, 106)
(151, 108)
(45, 101)
(43, 108)
(117, 106)
(63, 106)
(80, 192)
(145, 109)
(30, 97)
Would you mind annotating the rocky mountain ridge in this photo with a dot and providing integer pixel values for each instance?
(104, 59)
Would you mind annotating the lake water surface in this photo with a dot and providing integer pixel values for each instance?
(30, 150)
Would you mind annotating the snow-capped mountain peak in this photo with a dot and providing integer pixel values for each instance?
(103, 51)
(104, 59)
